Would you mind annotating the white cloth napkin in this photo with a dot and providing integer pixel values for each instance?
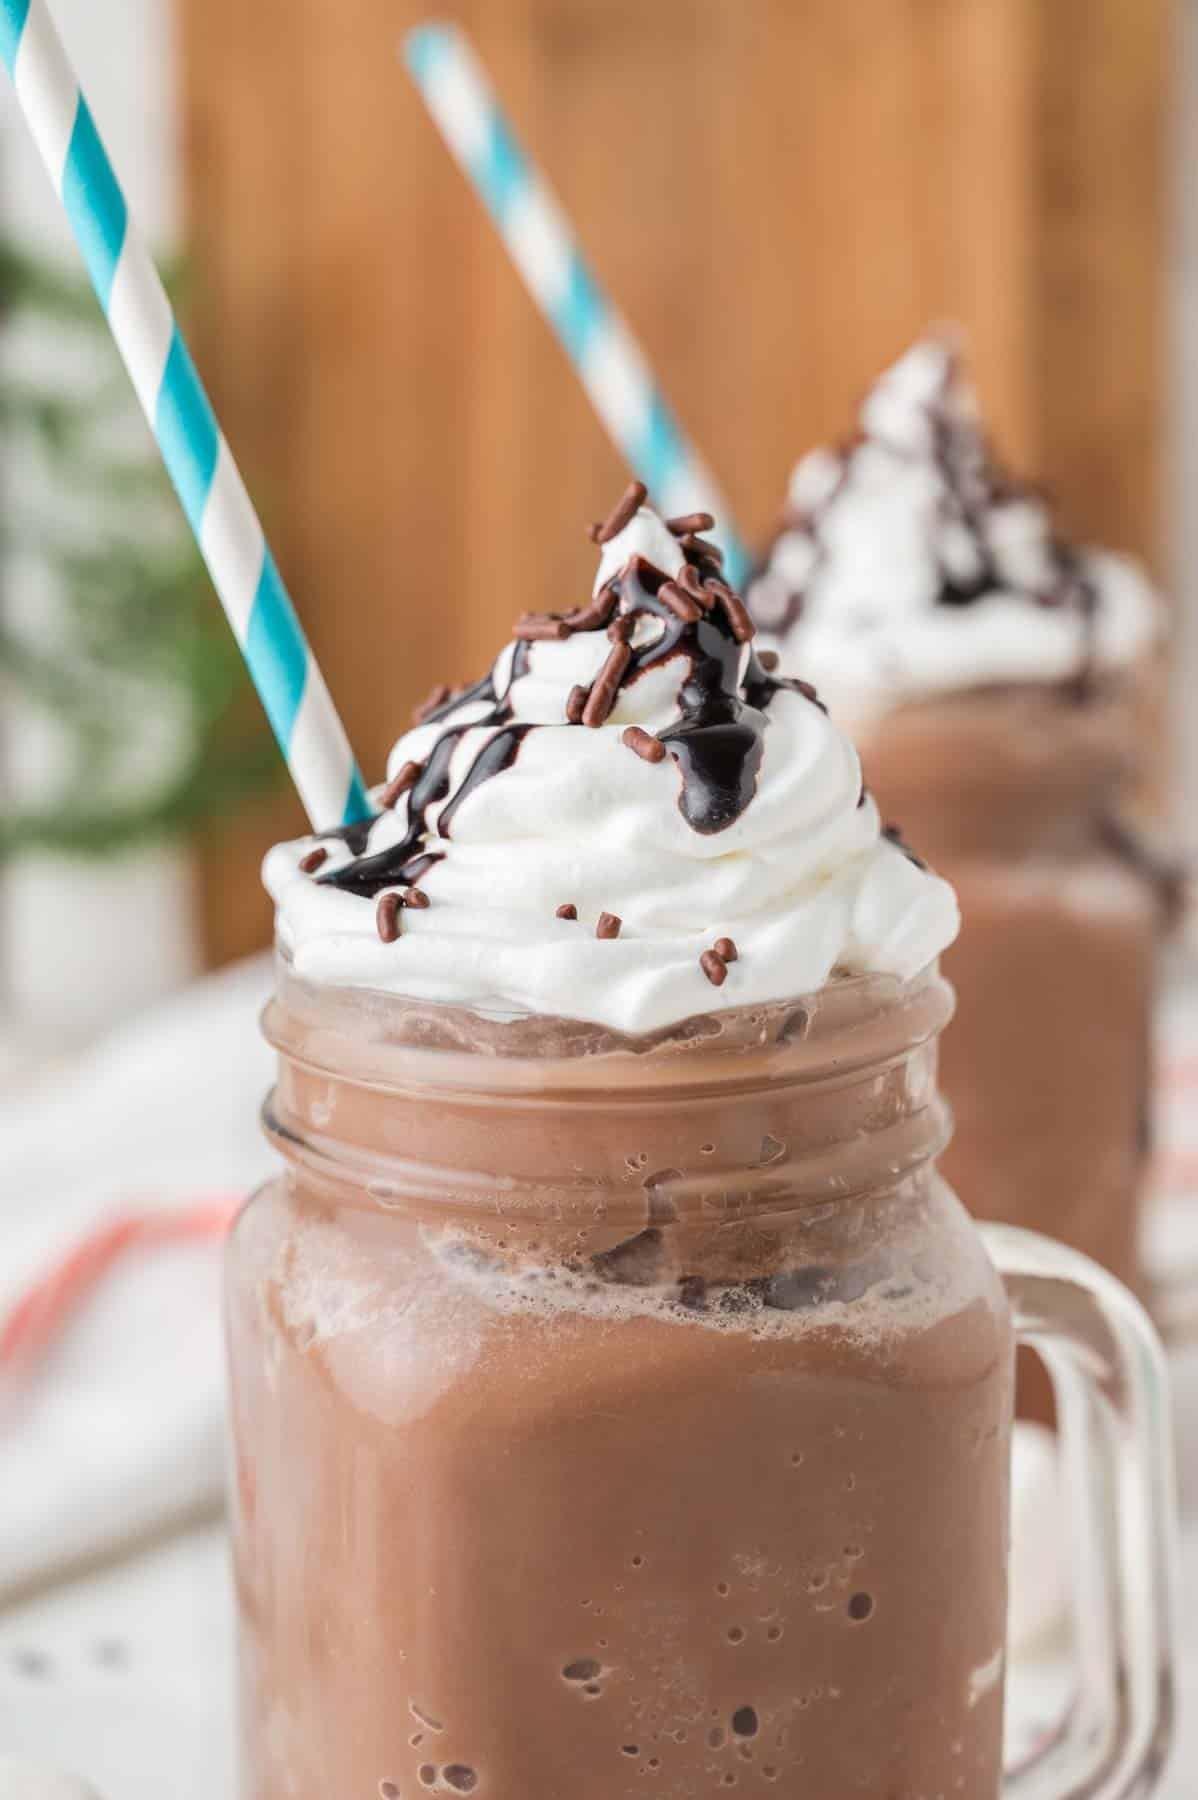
(20, 1780)
(116, 1433)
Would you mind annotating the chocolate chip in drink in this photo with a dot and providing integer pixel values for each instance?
(416, 897)
(314, 860)
(637, 1262)
(567, 910)
(608, 925)
(726, 948)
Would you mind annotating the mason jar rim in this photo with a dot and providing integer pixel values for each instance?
(853, 1022)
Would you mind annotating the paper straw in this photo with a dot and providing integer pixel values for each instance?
(198, 459)
(541, 243)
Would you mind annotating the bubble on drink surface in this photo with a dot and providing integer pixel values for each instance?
(388, 1790)
(428, 1774)
(715, 1737)
(722, 1589)
(744, 1721)
(630, 1749)
(774, 1634)
(735, 1634)
(771, 1151)
(583, 1668)
(425, 1718)
(861, 1606)
(460, 1778)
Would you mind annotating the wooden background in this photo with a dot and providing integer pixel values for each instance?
(781, 193)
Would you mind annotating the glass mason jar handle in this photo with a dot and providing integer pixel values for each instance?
(1108, 1375)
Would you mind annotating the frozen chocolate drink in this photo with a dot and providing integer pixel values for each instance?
(621, 1400)
(988, 672)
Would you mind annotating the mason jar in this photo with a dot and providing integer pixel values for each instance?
(616, 1417)
(1014, 796)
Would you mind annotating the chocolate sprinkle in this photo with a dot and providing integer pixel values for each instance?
(431, 704)
(314, 859)
(716, 738)
(387, 916)
(608, 925)
(680, 603)
(726, 948)
(693, 582)
(602, 696)
(714, 967)
(702, 550)
(567, 910)
(623, 513)
(687, 524)
(743, 628)
(647, 747)
(537, 627)
(597, 610)
(400, 782)
(416, 897)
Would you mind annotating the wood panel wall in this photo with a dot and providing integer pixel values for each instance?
(782, 193)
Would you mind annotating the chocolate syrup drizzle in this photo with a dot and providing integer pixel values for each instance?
(974, 484)
(716, 741)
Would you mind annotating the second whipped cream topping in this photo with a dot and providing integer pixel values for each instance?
(628, 821)
(908, 565)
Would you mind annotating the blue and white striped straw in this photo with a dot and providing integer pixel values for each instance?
(198, 459)
(541, 243)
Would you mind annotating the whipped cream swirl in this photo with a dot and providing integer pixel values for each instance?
(908, 565)
(631, 764)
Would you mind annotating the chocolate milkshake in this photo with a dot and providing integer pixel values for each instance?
(621, 1400)
(988, 671)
